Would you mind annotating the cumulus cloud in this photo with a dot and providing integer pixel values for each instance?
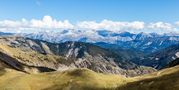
(177, 23)
(160, 26)
(111, 25)
(48, 23)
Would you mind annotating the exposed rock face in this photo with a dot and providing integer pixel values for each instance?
(161, 58)
(8, 61)
(67, 55)
(173, 63)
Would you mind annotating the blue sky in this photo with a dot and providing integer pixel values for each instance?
(80, 10)
(159, 16)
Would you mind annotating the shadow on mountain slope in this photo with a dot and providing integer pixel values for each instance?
(167, 79)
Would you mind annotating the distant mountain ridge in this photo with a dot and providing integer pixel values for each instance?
(146, 42)
(4, 33)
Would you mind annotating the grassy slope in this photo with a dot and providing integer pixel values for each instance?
(30, 57)
(166, 79)
(25, 55)
(84, 79)
(78, 79)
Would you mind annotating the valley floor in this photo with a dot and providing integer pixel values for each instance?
(84, 79)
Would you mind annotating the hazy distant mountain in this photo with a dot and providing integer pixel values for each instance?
(146, 42)
(3, 33)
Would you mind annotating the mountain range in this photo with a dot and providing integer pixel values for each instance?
(145, 49)
(145, 42)
(68, 55)
(67, 63)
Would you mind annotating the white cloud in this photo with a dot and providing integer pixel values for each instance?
(177, 23)
(48, 23)
(111, 25)
(161, 26)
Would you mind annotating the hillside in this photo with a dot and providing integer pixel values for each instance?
(173, 63)
(84, 79)
(28, 64)
(77, 79)
(127, 54)
(31, 55)
(160, 58)
(166, 79)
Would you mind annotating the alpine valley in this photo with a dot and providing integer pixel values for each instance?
(101, 61)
